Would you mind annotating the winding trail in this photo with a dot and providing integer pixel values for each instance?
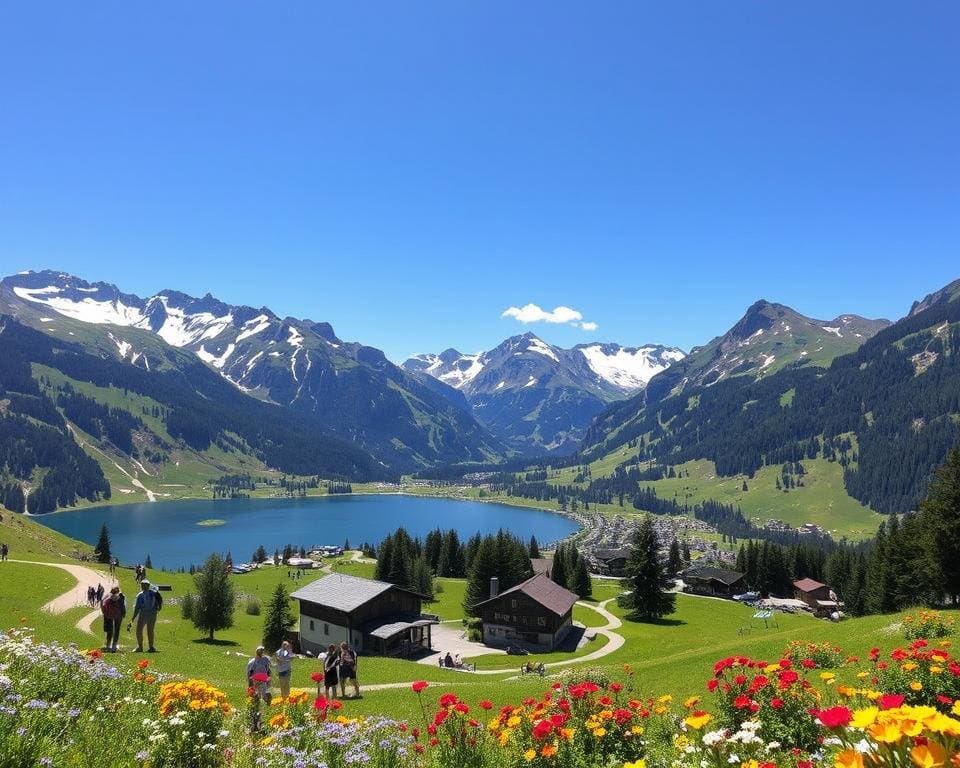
(76, 595)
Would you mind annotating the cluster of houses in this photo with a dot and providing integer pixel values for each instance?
(379, 618)
(808, 594)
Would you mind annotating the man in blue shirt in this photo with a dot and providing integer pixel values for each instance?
(145, 612)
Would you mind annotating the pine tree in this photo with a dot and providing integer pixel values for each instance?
(534, 548)
(940, 529)
(558, 569)
(278, 620)
(422, 577)
(483, 567)
(213, 607)
(685, 551)
(674, 563)
(648, 597)
(103, 545)
(148, 563)
(580, 578)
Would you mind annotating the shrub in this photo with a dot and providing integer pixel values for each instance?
(253, 607)
(187, 603)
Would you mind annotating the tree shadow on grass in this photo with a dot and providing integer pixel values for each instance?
(216, 641)
(661, 622)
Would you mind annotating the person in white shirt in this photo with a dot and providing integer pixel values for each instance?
(284, 658)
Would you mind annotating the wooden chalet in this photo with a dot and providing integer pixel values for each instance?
(373, 616)
(611, 562)
(819, 597)
(714, 581)
(535, 615)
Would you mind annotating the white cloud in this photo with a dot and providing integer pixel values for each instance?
(532, 313)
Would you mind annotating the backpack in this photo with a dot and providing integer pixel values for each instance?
(157, 599)
(111, 609)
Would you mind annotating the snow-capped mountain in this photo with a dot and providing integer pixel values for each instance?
(537, 396)
(297, 363)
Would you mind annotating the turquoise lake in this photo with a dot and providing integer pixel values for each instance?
(170, 534)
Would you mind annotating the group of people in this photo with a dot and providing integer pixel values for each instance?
(4, 551)
(95, 595)
(113, 607)
(139, 573)
(451, 661)
(339, 665)
(295, 575)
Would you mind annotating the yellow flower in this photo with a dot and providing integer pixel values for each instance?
(666, 699)
(266, 740)
(849, 758)
(600, 732)
(886, 732)
(529, 755)
(691, 702)
(636, 764)
(513, 721)
(929, 755)
(909, 666)
(503, 738)
(916, 685)
(864, 718)
(566, 734)
(699, 720)
(827, 676)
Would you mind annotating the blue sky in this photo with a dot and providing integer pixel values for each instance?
(408, 171)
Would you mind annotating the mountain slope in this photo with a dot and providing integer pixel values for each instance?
(538, 397)
(352, 389)
(888, 411)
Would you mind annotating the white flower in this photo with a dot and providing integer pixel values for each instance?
(733, 759)
(863, 746)
(712, 738)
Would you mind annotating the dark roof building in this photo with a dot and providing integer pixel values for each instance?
(818, 596)
(708, 580)
(611, 562)
(536, 615)
(541, 565)
(373, 616)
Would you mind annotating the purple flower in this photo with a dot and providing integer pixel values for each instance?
(142, 756)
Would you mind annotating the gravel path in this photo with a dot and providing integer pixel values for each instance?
(76, 595)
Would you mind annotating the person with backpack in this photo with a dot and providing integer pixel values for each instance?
(145, 610)
(348, 669)
(114, 608)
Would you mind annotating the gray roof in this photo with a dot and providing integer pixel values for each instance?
(393, 627)
(342, 592)
(709, 573)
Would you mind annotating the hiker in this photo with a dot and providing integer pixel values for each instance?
(330, 663)
(114, 609)
(348, 669)
(284, 667)
(4, 551)
(145, 610)
(91, 596)
(448, 661)
(259, 666)
(99, 593)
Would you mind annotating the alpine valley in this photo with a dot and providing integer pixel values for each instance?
(104, 394)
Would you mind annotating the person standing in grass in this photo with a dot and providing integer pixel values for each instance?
(348, 669)
(114, 608)
(331, 663)
(145, 612)
(258, 675)
(284, 667)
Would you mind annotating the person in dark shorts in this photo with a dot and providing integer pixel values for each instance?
(330, 664)
(348, 669)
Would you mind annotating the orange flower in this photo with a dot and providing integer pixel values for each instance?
(929, 755)
(849, 758)
(548, 750)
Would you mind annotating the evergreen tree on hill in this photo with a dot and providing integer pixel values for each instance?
(580, 578)
(534, 548)
(646, 581)
(939, 524)
(278, 620)
(674, 563)
(103, 545)
(558, 569)
(214, 601)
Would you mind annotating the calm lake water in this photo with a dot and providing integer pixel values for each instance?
(170, 534)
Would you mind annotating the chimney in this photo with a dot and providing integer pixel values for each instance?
(494, 586)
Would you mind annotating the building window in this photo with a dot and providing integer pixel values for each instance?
(513, 603)
(311, 625)
(326, 629)
(541, 621)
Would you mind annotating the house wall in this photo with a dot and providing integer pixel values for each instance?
(317, 634)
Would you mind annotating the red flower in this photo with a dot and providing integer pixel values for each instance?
(461, 708)
(742, 702)
(898, 654)
(920, 643)
(434, 742)
(261, 677)
(485, 704)
(542, 729)
(448, 699)
(787, 677)
(808, 664)
(804, 764)
(250, 691)
(441, 717)
(616, 687)
(834, 717)
(557, 686)
(874, 654)
(419, 685)
(712, 684)
(776, 703)
(418, 748)
(317, 677)
(740, 680)
(320, 704)
(890, 701)
(336, 704)
(143, 663)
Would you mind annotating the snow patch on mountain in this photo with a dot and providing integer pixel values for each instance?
(536, 345)
(122, 346)
(253, 327)
(295, 339)
(628, 369)
(180, 329)
(88, 310)
(216, 362)
(834, 331)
